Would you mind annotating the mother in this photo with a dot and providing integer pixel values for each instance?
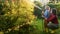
(53, 21)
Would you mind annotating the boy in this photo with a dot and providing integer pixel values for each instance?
(46, 16)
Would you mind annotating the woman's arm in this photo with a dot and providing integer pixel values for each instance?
(51, 17)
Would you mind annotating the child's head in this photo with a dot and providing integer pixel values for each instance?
(47, 7)
(54, 11)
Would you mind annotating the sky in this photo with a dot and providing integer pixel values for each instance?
(44, 2)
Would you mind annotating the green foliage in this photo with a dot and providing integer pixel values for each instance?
(37, 11)
(13, 14)
(51, 5)
(57, 6)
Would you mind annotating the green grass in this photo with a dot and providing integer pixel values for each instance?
(40, 26)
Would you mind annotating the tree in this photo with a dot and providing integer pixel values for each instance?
(37, 11)
(57, 6)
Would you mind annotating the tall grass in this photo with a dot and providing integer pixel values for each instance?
(40, 26)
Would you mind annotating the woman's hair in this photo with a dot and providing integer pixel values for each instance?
(54, 11)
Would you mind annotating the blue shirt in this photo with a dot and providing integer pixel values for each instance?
(46, 14)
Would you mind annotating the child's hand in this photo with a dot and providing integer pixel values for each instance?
(45, 18)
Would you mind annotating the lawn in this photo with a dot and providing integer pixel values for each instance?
(40, 27)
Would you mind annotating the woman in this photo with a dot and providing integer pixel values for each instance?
(53, 21)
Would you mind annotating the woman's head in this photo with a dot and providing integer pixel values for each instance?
(54, 11)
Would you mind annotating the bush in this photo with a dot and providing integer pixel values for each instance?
(57, 6)
(13, 14)
(37, 11)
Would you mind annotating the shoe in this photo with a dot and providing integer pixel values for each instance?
(46, 30)
(52, 32)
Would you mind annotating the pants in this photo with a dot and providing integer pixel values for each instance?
(52, 26)
(45, 23)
